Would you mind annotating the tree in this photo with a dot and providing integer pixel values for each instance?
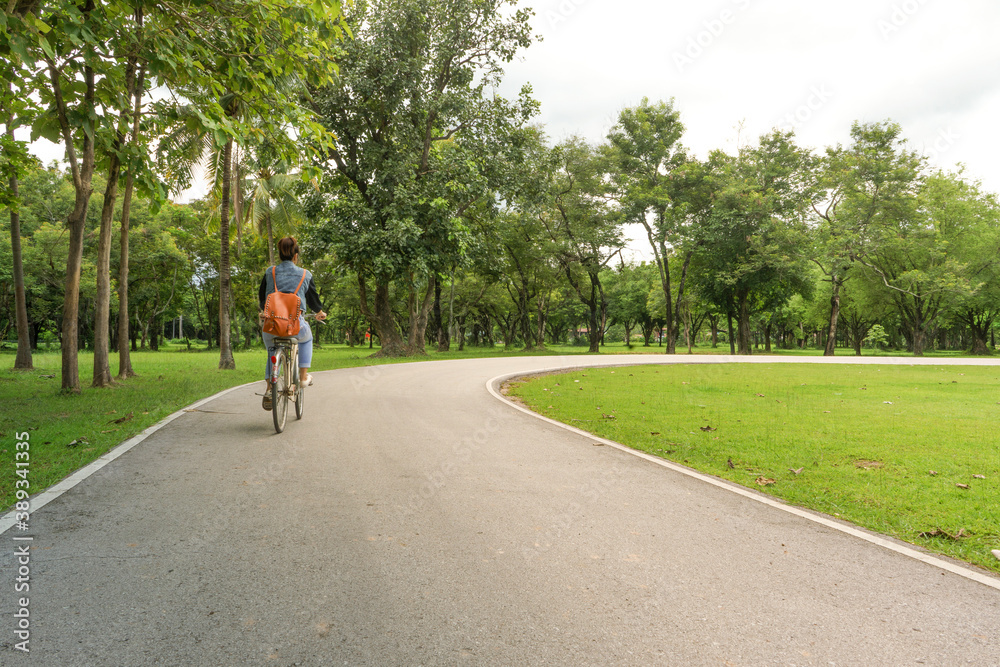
(14, 160)
(915, 256)
(261, 56)
(756, 217)
(128, 47)
(653, 192)
(584, 229)
(867, 185)
(64, 42)
(628, 287)
(422, 141)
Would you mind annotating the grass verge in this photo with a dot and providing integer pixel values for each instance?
(911, 452)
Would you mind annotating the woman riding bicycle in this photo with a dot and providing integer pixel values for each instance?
(288, 276)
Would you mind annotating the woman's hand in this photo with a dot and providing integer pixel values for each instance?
(320, 316)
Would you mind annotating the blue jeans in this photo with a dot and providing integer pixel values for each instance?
(305, 347)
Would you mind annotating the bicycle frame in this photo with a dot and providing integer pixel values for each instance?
(285, 383)
(290, 347)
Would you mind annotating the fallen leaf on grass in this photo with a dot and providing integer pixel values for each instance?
(764, 481)
(654, 433)
(868, 465)
(963, 486)
(729, 462)
(797, 471)
(121, 420)
(979, 476)
(604, 416)
(932, 473)
(760, 395)
(708, 429)
(937, 532)
(996, 554)
(887, 402)
(78, 442)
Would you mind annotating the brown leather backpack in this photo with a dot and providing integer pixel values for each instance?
(281, 310)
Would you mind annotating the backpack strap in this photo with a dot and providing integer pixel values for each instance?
(300, 282)
(274, 277)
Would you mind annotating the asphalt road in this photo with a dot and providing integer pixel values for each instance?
(411, 518)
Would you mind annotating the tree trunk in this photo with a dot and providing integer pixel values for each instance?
(226, 360)
(124, 357)
(102, 302)
(663, 264)
(71, 301)
(82, 170)
(443, 343)
(382, 318)
(767, 338)
(743, 324)
(831, 339)
(543, 315)
(980, 329)
(419, 317)
(270, 237)
(680, 300)
(23, 359)
(732, 334)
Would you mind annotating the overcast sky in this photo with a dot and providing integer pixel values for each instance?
(817, 66)
(814, 66)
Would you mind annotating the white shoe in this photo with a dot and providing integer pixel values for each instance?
(308, 381)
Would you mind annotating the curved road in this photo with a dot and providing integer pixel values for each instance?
(413, 519)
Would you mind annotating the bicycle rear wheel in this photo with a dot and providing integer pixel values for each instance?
(300, 399)
(279, 393)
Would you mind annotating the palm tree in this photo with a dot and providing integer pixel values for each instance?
(272, 204)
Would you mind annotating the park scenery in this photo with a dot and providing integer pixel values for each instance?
(440, 221)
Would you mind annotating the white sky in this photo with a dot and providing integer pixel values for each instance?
(930, 65)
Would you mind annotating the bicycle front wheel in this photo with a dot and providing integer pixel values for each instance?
(279, 394)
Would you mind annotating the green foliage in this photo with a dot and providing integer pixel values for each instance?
(758, 211)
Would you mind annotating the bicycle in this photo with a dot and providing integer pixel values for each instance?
(285, 382)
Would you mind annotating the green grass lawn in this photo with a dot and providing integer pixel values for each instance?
(883, 447)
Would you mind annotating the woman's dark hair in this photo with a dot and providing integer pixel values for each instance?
(288, 248)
